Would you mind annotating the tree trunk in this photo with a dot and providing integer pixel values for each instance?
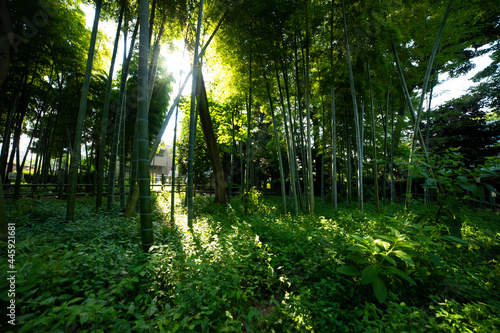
(210, 139)
(348, 161)
(6, 141)
(276, 136)
(391, 160)
(248, 181)
(3, 217)
(309, 137)
(233, 158)
(143, 135)
(356, 117)
(17, 188)
(334, 151)
(105, 115)
(288, 118)
(121, 154)
(386, 141)
(5, 29)
(192, 123)
(76, 154)
(290, 148)
(120, 113)
(372, 118)
(172, 194)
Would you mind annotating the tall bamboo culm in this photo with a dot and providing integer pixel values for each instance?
(143, 134)
(192, 123)
(75, 153)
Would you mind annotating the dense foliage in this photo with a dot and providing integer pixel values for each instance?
(462, 124)
(254, 272)
(326, 98)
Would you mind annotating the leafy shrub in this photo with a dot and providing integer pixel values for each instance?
(448, 175)
(259, 273)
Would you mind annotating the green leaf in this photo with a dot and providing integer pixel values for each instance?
(384, 244)
(22, 318)
(470, 187)
(395, 232)
(422, 239)
(152, 308)
(348, 270)
(49, 300)
(380, 290)
(389, 259)
(401, 274)
(454, 239)
(204, 323)
(422, 217)
(84, 317)
(387, 238)
(356, 248)
(358, 238)
(405, 257)
(74, 300)
(369, 274)
(356, 258)
(440, 262)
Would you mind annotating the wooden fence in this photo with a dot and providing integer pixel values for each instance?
(53, 190)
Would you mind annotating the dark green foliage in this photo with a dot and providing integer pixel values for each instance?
(454, 183)
(254, 273)
(462, 123)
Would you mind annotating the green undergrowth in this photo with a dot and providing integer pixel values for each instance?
(244, 267)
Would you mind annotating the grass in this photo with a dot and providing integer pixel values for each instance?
(246, 268)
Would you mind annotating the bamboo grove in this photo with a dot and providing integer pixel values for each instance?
(312, 99)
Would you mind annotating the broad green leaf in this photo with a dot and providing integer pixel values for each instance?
(374, 249)
(74, 300)
(369, 274)
(357, 248)
(389, 259)
(387, 238)
(49, 300)
(421, 218)
(64, 296)
(358, 238)
(470, 187)
(405, 257)
(408, 244)
(401, 274)
(131, 308)
(455, 210)
(84, 317)
(422, 239)
(384, 244)
(356, 258)
(152, 308)
(440, 262)
(348, 270)
(454, 239)
(395, 232)
(380, 290)
(204, 323)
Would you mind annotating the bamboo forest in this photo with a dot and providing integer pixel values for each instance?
(250, 166)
